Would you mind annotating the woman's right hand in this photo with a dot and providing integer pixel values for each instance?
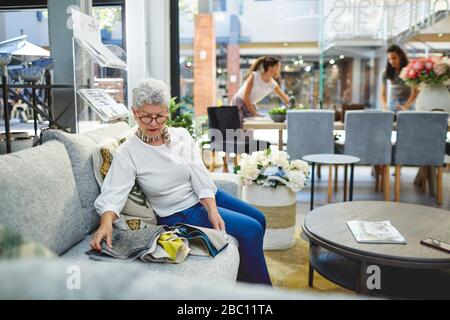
(104, 231)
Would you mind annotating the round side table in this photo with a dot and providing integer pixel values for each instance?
(332, 159)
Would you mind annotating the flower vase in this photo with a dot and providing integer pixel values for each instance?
(279, 208)
(433, 97)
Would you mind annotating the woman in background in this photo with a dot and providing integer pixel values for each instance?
(259, 83)
(402, 97)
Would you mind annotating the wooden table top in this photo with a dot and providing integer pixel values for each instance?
(327, 224)
(267, 123)
(324, 158)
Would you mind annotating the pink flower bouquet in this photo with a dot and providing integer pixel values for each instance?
(433, 70)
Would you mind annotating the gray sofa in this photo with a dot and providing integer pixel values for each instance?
(47, 193)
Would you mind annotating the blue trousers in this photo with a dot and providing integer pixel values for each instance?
(244, 222)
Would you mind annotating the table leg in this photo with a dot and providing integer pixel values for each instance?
(33, 92)
(6, 113)
(362, 281)
(345, 181)
(311, 269)
(280, 140)
(312, 187)
(352, 169)
(310, 275)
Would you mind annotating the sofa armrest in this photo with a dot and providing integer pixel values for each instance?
(228, 182)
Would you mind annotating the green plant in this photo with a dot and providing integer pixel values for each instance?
(300, 107)
(280, 110)
(180, 120)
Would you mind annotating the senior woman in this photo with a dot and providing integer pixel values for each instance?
(167, 165)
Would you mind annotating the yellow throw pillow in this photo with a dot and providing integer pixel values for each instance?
(137, 211)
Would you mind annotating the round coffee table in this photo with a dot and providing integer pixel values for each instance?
(337, 256)
(332, 159)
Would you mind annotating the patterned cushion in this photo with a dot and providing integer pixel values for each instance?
(13, 246)
(137, 211)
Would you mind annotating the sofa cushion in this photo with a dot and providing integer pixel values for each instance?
(39, 198)
(80, 148)
(228, 182)
(137, 211)
(44, 279)
(223, 267)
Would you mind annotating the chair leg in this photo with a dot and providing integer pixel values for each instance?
(397, 183)
(387, 183)
(319, 171)
(237, 159)
(330, 184)
(439, 185)
(432, 188)
(212, 161)
(377, 178)
(336, 177)
(382, 180)
(225, 164)
(424, 180)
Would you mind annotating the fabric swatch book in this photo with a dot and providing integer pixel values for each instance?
(375, 232)
(161, 244)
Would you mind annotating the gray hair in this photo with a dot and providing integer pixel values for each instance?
(151, 91)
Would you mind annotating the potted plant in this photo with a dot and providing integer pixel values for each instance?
(270, 182)
(431, 75)
(177, 120)
(278, 114)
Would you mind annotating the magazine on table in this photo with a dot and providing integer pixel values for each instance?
(103, 104)
(375, 232)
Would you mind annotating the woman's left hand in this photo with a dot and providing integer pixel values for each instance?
(402, 107)
(216, 220)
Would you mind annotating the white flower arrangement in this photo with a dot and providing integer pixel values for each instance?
(272, 168)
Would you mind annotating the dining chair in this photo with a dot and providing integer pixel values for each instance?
(311, 132)
(368, 137)
(226, 135)
(421, 140)
(350, 107)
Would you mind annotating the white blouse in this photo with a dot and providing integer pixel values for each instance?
(260, 88)
(173, 178)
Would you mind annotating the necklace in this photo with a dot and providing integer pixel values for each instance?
(146, 139)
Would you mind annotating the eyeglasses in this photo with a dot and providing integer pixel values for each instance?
(148, 119)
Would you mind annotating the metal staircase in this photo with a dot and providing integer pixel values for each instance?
(359, 27)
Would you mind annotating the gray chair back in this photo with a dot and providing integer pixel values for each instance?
(309, 132)
(368, 136)
(421, 138)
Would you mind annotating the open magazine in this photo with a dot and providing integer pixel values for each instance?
(375, 232)
(86, 30)
(161, 244)
(103, 104)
